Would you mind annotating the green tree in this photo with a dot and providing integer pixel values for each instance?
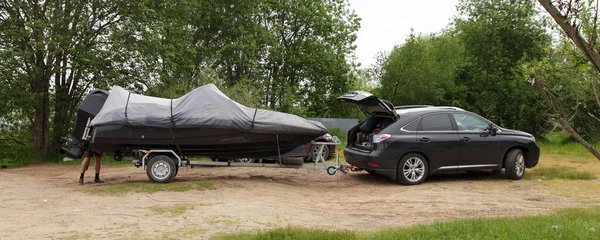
(284, 55)
(295, 51)
(498, 37)
(578, 21)
(422, 70)
(51, 53)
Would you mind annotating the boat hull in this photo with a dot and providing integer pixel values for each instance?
(210, 142)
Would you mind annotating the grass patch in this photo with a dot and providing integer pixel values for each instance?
(85, 235)
(146, 187)
(569, 149)
(173, 211)
(221, 220)
(564, 224)
(562, 144)
(560, 173)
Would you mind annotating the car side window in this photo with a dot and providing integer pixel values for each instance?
(436, 122)
(414, 126)
(466, 122)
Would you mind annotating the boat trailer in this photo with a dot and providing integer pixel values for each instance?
(162, 165)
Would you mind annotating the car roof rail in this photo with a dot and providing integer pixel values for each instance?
(449, 108)
(411, 106)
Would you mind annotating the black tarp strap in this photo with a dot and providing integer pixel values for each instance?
(173, 135)
(127, 104)
(278, 149)
(254, 117)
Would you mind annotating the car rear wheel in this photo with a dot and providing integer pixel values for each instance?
(412, 169)
(314, 152)
(514, 164)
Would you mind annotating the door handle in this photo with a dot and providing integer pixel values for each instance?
(466, 139)
(424, 139)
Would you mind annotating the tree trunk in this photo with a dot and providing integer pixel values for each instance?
(41, 126)
(573, 33)
(558, 111)
(62, 116)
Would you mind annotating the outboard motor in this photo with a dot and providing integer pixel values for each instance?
(74, 146)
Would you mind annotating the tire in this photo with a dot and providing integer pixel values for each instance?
(412, 169)
(514, 164)
(314, 150)
(246, 160)
(161, 169)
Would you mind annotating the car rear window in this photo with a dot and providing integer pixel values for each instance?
(436, 122)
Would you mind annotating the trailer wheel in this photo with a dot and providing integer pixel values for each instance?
(331, 170)
(161, 169)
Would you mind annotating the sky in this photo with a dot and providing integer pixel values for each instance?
(386, 23)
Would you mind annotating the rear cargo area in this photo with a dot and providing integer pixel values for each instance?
(361, 136)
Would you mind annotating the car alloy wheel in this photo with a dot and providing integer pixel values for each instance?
(520, 164)
(315, 152)
(414, 169)
(514, 163)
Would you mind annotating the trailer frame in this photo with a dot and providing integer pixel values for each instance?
(141, 158)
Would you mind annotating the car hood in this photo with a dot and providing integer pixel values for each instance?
(506, 131)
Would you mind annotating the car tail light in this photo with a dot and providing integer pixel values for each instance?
(377, 138)
(373, 164)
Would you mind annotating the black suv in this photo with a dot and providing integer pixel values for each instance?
(408, 143)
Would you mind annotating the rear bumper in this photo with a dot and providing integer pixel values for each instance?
(379, 163)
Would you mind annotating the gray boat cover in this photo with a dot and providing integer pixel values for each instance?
(205, 107)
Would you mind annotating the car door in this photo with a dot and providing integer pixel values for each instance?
(439, 141)
(478, 147)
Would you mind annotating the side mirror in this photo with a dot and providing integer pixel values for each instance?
(493, 130)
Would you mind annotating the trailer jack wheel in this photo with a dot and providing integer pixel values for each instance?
(331, 170)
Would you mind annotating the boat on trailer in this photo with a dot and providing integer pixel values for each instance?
(161, 133)
(203, 122)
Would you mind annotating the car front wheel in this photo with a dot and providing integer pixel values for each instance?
(514, 164)
(412, 169)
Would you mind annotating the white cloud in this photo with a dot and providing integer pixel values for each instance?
(386, 23)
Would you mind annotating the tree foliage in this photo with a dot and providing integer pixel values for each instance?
(501, 35)
(577, 114)
(474, 64)
(291, 56)
(422, 70)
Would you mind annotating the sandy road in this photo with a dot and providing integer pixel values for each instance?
(43, 202)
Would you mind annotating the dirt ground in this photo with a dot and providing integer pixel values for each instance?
(43, 202)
